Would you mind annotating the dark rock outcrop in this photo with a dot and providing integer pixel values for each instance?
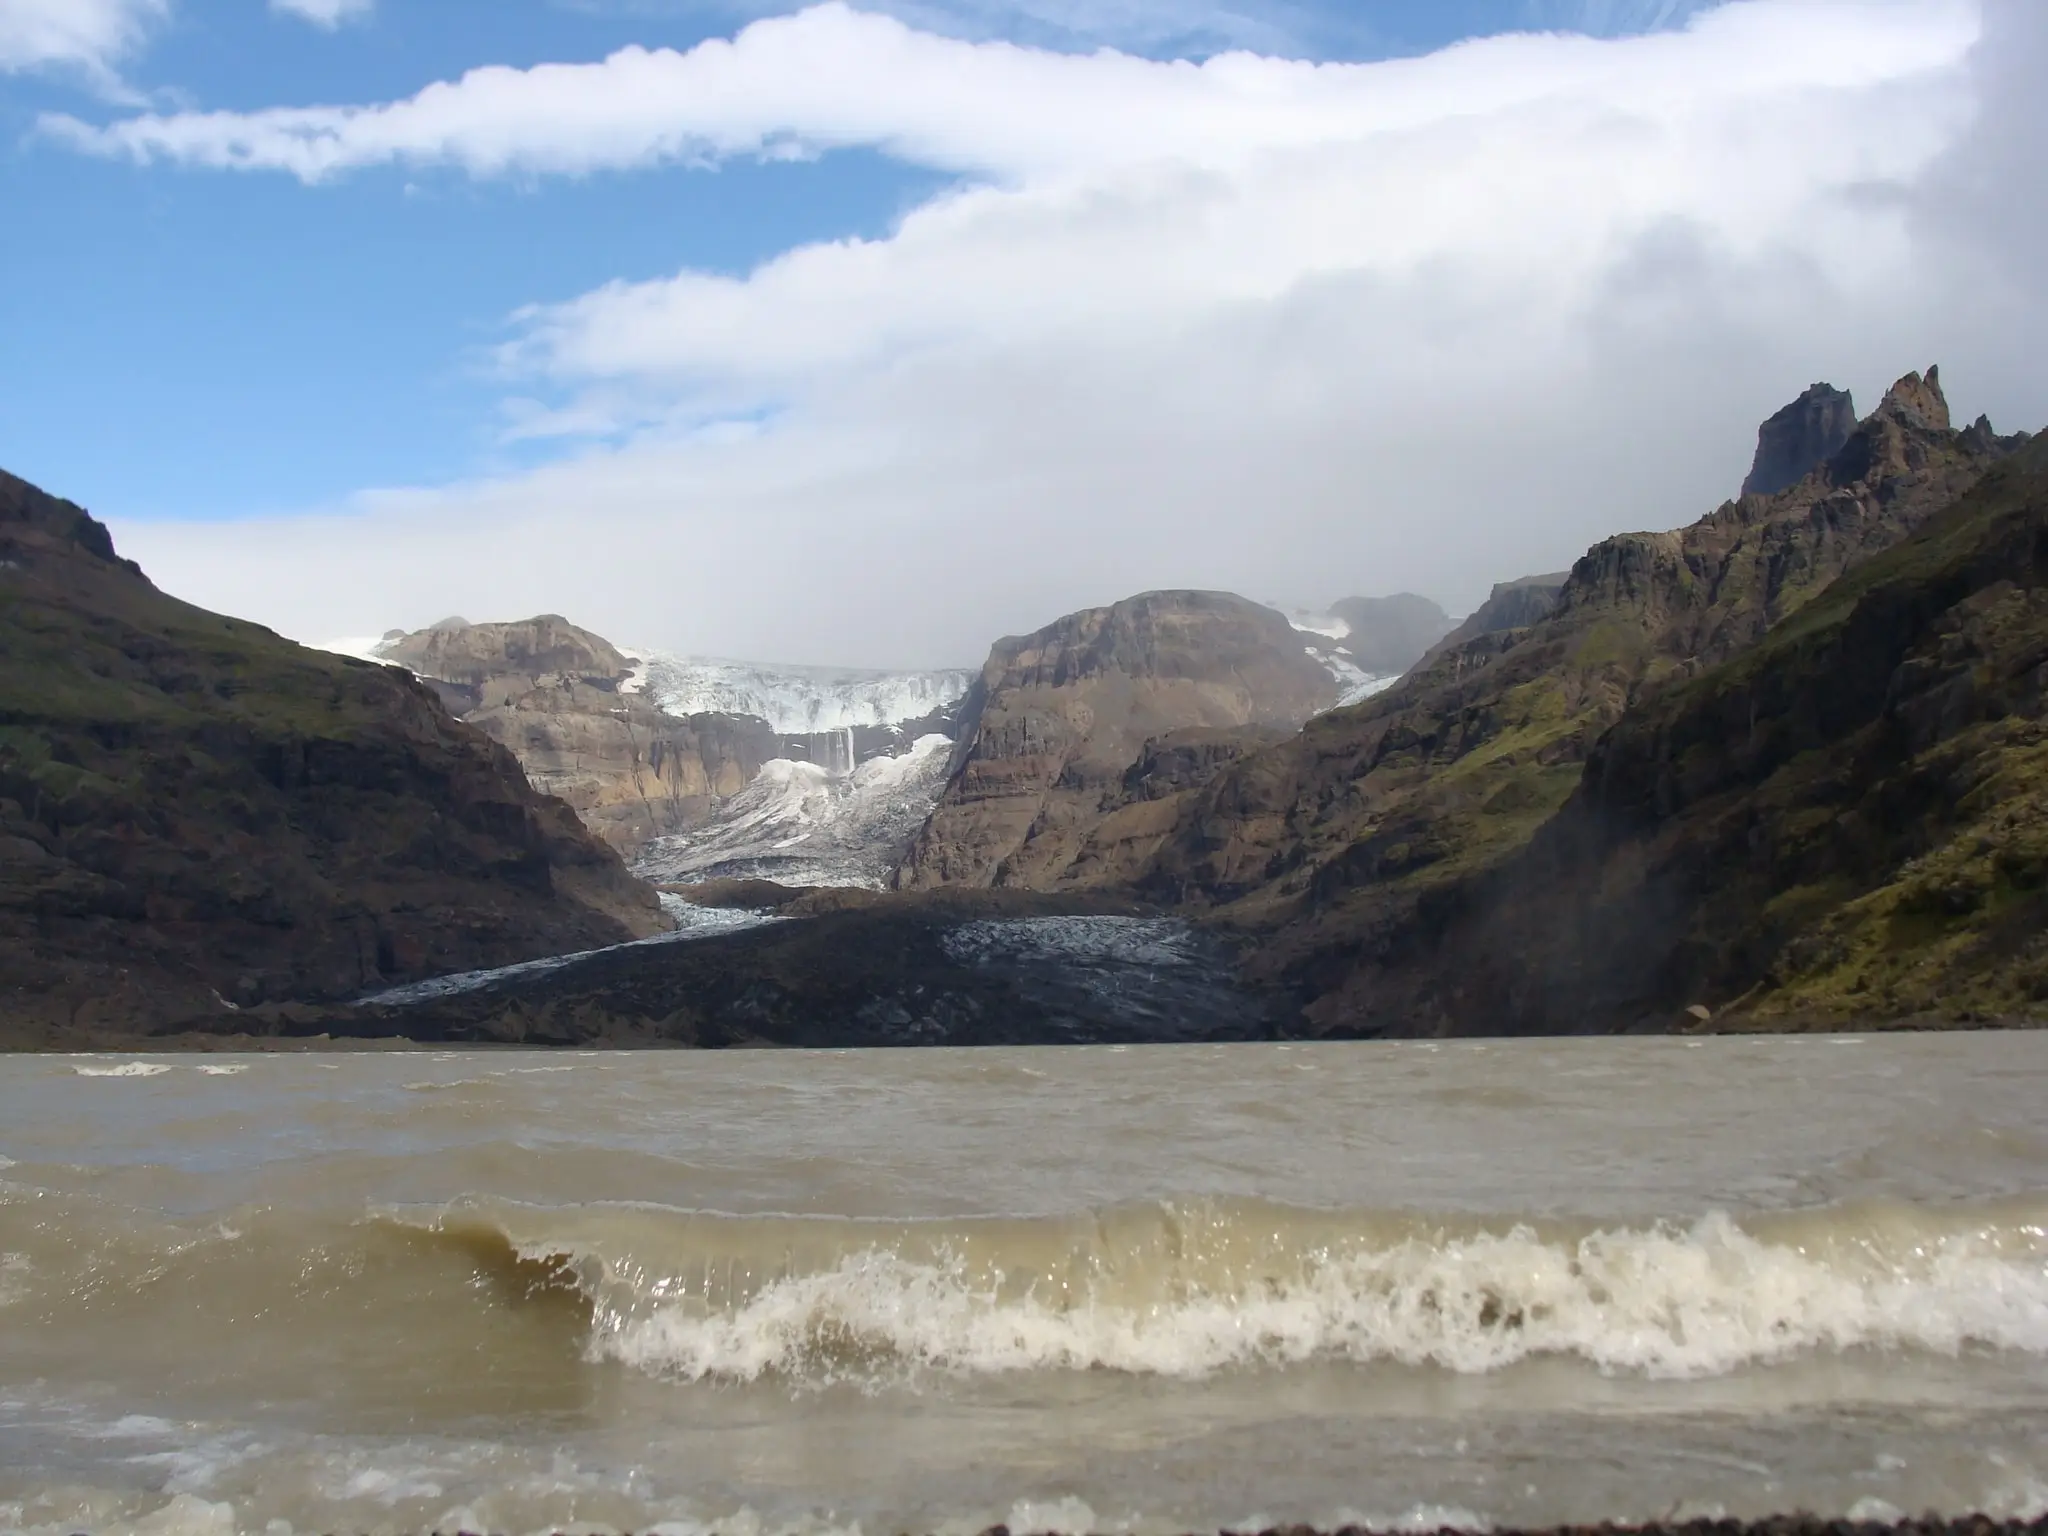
(1390, 634)
(1058, 719)
(198, 817)
(1802, 437)
(1348, 845)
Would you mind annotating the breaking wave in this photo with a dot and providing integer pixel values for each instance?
(1188, 1290)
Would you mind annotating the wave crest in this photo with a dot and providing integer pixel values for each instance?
(1190, 1290)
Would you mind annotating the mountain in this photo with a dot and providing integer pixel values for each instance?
(1847, 822)
(1800, 438)
(561, 698)
(661, 755)
(1511, 605)
(1058, 719)
(1385, 636)
(1344, 846)
(199, 817)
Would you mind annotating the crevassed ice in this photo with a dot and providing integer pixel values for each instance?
(795, 699)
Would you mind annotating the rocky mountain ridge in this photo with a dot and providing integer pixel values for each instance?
(1848, 821)
(1342, 843)
(200, 819)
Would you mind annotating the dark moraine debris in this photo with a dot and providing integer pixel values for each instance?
(933, 968)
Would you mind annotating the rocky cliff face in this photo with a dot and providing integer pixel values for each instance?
(198, 818)
(1846, 824)
(1352, 839)
(1058, 719)
(1511, 605)
(1802, 437)
(554, 694)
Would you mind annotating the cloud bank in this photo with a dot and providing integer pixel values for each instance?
(91, 36)
(1294, 329)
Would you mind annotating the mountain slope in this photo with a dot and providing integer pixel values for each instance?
(1058, 719)
(197, 815)
(1343, 842)
(560, 698)
(1848, 822)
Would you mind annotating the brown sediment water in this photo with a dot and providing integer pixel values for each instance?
(1501, 1285)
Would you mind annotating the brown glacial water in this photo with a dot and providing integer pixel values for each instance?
(1142, 1289)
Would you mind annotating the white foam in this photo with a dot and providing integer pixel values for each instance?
(1664, 1302)
(229, 1069)
(126, 1069)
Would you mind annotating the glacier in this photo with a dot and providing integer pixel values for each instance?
(794, 700)
(1328, 632)
(799, 824)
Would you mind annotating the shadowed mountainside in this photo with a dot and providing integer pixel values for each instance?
(1390, 634)
(1848, 821)
(199, 817)
(1348, 843)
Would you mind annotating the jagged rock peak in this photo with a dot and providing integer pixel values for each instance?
(1918, 402)
(1799, 439)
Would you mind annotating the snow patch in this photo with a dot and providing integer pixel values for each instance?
(1327, 625)
(361, 647)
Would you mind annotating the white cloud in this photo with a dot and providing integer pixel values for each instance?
(832, 77)
(325, 13)
(1296, 330)
(91, 36)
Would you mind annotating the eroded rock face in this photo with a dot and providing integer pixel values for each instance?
(553, 693)
(1805, 435)
(1058, 718)
(1352, 842)
(198, 818)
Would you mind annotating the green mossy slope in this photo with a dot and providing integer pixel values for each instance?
(198, 817)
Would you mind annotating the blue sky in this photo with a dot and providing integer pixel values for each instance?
(870, 336)
(199, 345)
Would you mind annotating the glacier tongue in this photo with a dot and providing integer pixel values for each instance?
(800, 825)
(794, 700)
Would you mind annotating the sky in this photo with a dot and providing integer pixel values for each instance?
(866, 333)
